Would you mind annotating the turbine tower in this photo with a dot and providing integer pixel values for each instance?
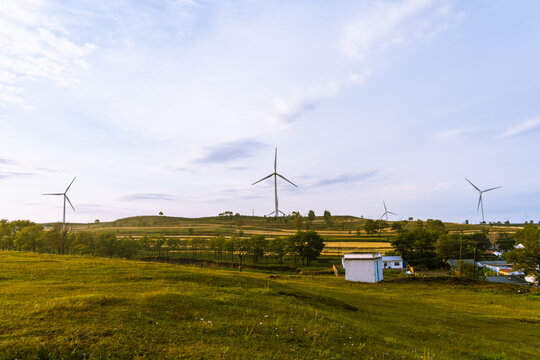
(480, 202)
(386, 212)
(275, 175)
(64, 194)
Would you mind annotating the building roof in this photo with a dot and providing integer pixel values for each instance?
(392, 258)
(492, 263)
(362, 256)
(511, 279)
(453, 262)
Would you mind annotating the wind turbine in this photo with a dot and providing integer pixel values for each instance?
(275, 175)
(386, 212)
(64, 194)
(480, 202)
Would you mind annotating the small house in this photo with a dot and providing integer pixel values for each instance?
(392, 262)
(364, 267)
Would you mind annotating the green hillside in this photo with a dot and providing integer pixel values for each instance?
(68, 307)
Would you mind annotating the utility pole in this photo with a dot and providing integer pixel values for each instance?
(460, 261)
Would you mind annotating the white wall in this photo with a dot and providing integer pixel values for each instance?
(391, 265)
(363, 270)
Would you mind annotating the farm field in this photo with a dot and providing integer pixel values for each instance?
(346, 234)
(70, 307)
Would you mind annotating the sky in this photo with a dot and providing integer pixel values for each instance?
(177, 106)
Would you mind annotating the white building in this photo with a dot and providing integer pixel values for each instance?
(392, 262)
(364, 267)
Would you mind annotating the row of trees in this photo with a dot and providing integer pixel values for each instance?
(24, 235)
(428, 243)
(304, 246)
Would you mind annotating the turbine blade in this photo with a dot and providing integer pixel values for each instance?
(272, 212)
(54, 194)
(283, 177)
(264, 178)
(498, 187)
(472, 184)
(479, 202)
(392, 213)
(70, 184)
(69, 202)
(386, 212)
(385, 209)
(282, 213)
(275, 161)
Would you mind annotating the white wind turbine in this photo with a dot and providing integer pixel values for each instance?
(275, 175)
(64, 194)
(386, 212)
(481, 192)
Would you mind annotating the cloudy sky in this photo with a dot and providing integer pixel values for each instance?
(177, 106)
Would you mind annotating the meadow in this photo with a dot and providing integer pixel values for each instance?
(73, 307)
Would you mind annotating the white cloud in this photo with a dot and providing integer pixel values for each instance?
(287, 109)
(458, 133)
(35, 46)
(386, 23)
(519, 129)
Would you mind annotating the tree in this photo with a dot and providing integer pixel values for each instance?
(436, 226)
(229, 246)
(126, 248)
(380, 224)
(526, 259)
(452, 246)
(278, 247)
(238, 220)
(173, 244)
(327, 218)
(505, 241)
(30, 238)
(161, 213)
(370, 227)
(298, 220)
(417, 246)
(58, 239)
(145, 244)
(310, 218)
(307, 244)
(106, 244)
(242, 249)
(257, 246)
(84, 243)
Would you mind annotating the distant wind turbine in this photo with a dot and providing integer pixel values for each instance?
(480, 202)
(386, 212)
(275, 175)
(64, 194)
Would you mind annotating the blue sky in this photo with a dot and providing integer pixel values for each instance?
(177, 106)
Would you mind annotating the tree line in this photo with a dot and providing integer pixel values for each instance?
(22, 235)
(304, 247)
(427, 244)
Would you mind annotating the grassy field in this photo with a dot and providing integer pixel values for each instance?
(63, 307)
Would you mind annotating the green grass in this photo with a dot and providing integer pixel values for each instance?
(62, 307)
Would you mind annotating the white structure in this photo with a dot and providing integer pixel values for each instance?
(365, 267)
(392, 262)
